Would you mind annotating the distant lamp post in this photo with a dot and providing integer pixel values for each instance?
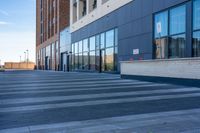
(20, 58)
(27, 55)
(24, 56)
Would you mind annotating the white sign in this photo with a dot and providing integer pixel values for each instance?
(159, 27)
(136, 51)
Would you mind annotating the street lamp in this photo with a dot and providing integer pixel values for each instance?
(24, 56)
(27, 55)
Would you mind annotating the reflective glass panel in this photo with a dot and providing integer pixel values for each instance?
(109, 59)
(161, 24)
(196, 13)
(110, 38)
(102, 41)
(85, 45)
(178, 20)
(161, 48)
(92, 60)
(76, 47)
(80, 62)
(85, 61)
(92, 43)
(177, 46)
(196, 44)
(80, 49)
(76, 61)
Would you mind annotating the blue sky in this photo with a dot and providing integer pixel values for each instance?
(17, 29)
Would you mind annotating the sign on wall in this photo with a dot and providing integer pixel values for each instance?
(136, 51)
(159, 27)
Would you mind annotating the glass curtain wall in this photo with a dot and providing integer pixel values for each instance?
(170, 32)
(86, 53)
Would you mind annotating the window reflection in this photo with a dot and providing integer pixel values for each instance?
(178, 20)
(92, 43)
(92, 60)
(170, 42)
(161, 48)
(109, 59)
(110, 38)
(196, 44)
(196, 14)
(161, 19)
(95, 52)
(177, 46)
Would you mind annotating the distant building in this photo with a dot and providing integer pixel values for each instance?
(20, 65)
(52, 18)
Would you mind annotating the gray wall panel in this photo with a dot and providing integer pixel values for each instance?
(135, 25)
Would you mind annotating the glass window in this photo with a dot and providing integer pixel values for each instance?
(97, 60)
(80, 60)
(76, 61)
(178, 20)
(161, 24)
(92, 60)
(76, 47)
(97, 42)
(92, 43)
(102, 40)
(196, 44)
(110, 38)
(196, 13)
(116, 37)
(80, 47)
(161, 46)
(73, 48)
(109, 59)
(85, 61)
(73, 61)
(177, 46)
(85, 45)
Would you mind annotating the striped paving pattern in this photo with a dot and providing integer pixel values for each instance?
(57, 102)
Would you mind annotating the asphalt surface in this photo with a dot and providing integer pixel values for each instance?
(38, 98)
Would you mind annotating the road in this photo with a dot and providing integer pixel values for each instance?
(58, 102)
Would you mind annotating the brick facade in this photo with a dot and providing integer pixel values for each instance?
(52, 17)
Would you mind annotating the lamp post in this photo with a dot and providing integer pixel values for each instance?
(24, 56)
(27, 55)
(20, 58)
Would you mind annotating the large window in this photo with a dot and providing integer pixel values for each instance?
(96, 51)
(109, 59)
(196, 14)
(161, 33)
(177, 46)
(178, 20)
(196, 28)
(161, 24)
(170, 28)
(92, 43)
(110, 38)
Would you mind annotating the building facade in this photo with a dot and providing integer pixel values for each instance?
(105, 32)
(52, 17)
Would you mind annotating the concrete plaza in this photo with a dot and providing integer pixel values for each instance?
(58, 102)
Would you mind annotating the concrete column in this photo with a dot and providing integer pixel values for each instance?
(78, 9)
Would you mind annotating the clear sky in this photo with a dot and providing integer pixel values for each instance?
(17, 29)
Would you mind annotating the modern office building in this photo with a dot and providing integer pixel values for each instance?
(52, 18)
(105, 32)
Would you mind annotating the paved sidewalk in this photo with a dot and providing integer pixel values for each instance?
(57, 102)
